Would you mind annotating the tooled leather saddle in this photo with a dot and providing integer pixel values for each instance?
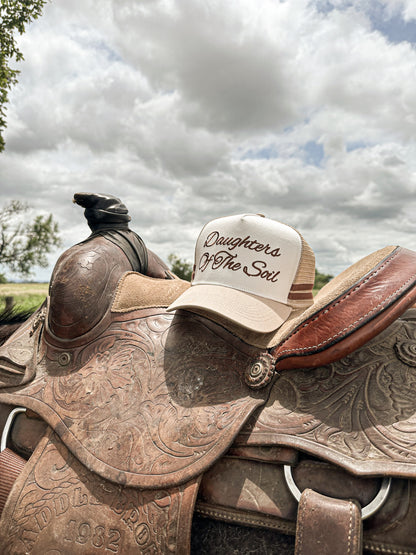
(137, 419)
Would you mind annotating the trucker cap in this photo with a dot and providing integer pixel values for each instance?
(250, 270)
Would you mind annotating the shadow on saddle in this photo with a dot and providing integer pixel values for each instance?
(138, 417)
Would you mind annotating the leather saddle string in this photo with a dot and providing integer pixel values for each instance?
(11, 465)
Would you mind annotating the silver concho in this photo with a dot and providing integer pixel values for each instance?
(64, 359)
(261, 372)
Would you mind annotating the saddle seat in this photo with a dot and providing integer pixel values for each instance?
(142, 406)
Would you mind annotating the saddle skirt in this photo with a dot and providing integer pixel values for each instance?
(358, 413)
(151, 402)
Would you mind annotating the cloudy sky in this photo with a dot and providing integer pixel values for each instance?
(193, 109)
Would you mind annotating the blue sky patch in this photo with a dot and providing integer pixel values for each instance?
(395, 28)
(356, 145)
(265, 153)
(313, 153)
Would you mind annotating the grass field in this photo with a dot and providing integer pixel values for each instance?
(26, 296)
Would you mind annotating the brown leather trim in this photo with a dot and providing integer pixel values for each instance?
(300, 296)
(273, 454)
(369, 306)
(302, 287)
(350, 343)
(245, 518)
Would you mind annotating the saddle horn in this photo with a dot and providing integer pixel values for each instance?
(102, 210)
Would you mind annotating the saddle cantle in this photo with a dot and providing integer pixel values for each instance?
(143, 406)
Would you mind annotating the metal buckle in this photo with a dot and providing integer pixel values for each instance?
(8, 426)
(366, 511)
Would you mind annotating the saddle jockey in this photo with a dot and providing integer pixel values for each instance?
(86, 275)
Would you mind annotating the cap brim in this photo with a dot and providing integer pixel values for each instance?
(244, 309)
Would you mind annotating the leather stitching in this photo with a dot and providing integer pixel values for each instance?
(349, 538)
(241, 518)
(352, 325)
(306, 324)
(374, 309)
(383, 548)
(300, 524)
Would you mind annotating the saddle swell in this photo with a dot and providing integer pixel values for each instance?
(82, 286)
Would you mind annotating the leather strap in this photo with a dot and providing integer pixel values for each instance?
(327, 526)
(11, 465)
(130, 243)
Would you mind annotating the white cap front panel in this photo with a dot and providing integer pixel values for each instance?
(249, 253)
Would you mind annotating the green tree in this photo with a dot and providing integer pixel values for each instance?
(14, 16)
(25, 244)
(181, 268)
(321, 279)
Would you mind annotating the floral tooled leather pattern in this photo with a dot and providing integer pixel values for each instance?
(359, 412)
(156, 400)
